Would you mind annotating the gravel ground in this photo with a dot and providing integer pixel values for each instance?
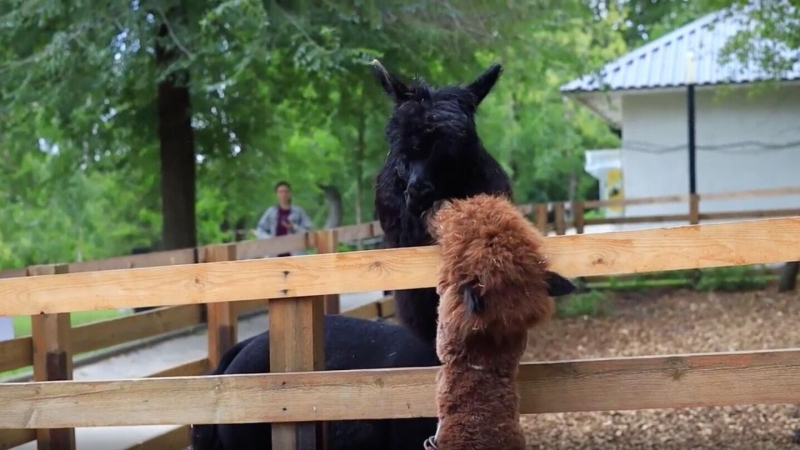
(660, 323)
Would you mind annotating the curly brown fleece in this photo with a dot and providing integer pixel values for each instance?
(493, 285)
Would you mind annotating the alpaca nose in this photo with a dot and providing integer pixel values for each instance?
(418, 191)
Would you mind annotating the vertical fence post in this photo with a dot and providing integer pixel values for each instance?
(694, 219)
(52, 359)
(221, 318)
(296, 345)
(328, 242)
(541, 217)
(560, 221)
(295, 330)
(694, 209)
(578, 210)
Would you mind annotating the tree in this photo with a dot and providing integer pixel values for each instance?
(92, 72)
(153, 105)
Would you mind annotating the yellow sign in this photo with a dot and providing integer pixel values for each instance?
(614, 189)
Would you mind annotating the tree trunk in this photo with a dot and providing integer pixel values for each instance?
(359, 160)
(176, 138)
(572, 194)
(176, 150)
(334, 200)
(788, 280)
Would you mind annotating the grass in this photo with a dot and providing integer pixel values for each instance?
(591, 303)
(597, 301)
(724, 279)
(22, 324)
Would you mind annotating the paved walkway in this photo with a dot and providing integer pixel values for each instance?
(161, 356)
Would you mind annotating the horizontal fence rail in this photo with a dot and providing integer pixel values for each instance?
(258, 248)
(651, 250)
(675, 381)
(294, 288)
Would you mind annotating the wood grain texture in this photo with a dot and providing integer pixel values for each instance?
(559, 221)
(638, 219)
(724, 215)
(248, 306)
(578, 217)
(13, 273)
(143, 325)
(355, 232)
(14, 438)
(677, 381)
(381, 308)
(771, 192)
(156, 259)
(296, 345)
(16, 353)
(651, 250)
(222, 319)
(189, 369)
(540, 211)
(694, 209)
(261, 248)
(752, 214)
(327, 242)
(52, 359)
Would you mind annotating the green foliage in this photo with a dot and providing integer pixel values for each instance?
(277, 92)
(725, 279)
(590, 303)
(732, 279)
(770, 41)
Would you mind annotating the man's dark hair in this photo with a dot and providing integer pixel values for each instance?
(283, 183)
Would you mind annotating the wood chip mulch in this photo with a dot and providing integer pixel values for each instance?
(662, 323)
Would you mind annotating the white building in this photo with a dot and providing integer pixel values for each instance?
(744, 139)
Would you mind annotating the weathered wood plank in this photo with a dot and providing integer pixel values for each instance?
(14, 438)
(147, 324)
(296, 345)
(52, 359)
(677, 381)
(16, 353)
(652, 250)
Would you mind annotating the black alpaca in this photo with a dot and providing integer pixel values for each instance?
(350, 343)
(414, 176)
(434, 154)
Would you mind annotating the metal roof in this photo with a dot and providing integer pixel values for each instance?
(662, 63)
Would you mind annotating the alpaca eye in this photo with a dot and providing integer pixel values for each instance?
(402, 168)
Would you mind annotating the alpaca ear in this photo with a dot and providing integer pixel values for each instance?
(392, 85)
(484, 83)
(558, 286)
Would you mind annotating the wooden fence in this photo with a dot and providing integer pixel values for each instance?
(184, 306)
(295, 288)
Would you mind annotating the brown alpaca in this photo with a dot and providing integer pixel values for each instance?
(494, 285)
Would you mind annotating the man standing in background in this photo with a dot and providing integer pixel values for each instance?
(283, 218)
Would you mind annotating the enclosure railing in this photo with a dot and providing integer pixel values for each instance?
(164, 322)
(296, 287)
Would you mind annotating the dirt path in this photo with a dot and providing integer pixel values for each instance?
(669, 323)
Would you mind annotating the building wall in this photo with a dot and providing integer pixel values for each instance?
(745, 140)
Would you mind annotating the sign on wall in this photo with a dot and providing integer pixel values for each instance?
(614, 188)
